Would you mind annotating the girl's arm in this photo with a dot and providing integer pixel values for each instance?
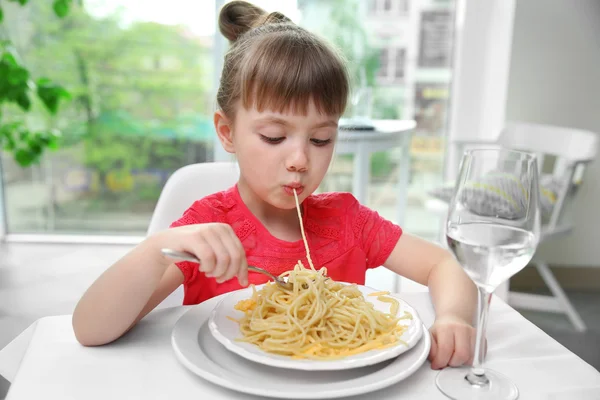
(452, 291)
(138, 282)
(124, 294)
(453, 294)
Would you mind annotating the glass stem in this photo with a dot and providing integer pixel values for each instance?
(477, 374)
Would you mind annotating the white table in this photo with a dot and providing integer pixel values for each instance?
(388, 134)
(142, 365)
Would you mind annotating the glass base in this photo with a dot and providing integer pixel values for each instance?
(461, 384)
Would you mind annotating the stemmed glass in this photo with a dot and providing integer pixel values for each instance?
(493, 228)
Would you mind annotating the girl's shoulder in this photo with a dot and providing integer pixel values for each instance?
(344, 209)
(332, 203)
(211, 208)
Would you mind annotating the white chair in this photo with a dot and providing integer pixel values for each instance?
(185, 186)
(566, 151)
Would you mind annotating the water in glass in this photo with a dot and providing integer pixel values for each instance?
(490, 253)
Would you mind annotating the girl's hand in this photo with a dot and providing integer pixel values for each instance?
(216, 245)
(452, 342)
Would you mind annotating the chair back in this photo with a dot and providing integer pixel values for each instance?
(182, 189)
(188, 184)
(563, 154)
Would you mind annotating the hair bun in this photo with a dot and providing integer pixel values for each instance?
(238, 17)
(275, 18)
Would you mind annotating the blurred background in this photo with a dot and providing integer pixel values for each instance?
(141, 79)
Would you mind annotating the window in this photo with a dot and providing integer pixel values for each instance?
(377, 36)
(403, 6)
(400, 63)
(143, 81)
(392, 63)
(142, 107)
(389, 7)
(435, 39)
(399, 91)
(384, 62)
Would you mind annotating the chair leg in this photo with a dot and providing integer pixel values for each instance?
(558, 302)
(561, 296)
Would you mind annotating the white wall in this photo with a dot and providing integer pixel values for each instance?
(555, 79)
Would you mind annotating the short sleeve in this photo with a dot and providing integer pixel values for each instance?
(376, 235)
(196, 214)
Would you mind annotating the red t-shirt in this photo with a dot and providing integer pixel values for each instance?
(343, 236)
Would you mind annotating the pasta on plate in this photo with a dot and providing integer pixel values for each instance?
(319, 318)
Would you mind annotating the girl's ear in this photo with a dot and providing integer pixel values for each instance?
(224, 129)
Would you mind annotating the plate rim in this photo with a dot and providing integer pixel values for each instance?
(213, 377)
(303, 365)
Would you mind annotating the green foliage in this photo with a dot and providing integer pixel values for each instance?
(61, 7)
(21, 2)
(146, 75)
(26, 145)
(17, 87)
(51, 93)
(14, 85)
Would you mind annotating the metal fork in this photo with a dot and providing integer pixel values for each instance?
(185, 256)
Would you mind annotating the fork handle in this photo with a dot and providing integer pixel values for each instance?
(179, 255)
(185, 256)
(189, 257)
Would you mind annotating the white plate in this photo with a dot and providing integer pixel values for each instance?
(227, 331)
(197, 350)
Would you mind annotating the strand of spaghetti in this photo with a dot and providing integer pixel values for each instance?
(381, 293)
(394, 304)
(302, 231)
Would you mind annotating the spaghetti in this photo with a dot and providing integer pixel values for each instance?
(319, 318)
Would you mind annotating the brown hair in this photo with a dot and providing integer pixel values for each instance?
(275, 64)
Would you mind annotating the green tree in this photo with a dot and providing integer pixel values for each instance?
(19, 88)
(150, 77)
(131, 86)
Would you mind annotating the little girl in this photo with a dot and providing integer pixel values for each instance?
(281, 94)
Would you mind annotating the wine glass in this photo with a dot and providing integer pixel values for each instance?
(493, 228)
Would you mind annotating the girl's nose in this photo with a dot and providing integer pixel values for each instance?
(298, 160)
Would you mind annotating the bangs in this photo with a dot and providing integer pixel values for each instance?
(284, 74)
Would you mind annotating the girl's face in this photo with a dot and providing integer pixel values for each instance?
(279, 152)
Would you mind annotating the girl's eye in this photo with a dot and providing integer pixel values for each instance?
(319, 142)
(272, 140)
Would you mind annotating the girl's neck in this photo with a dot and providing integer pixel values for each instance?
(283, 224)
